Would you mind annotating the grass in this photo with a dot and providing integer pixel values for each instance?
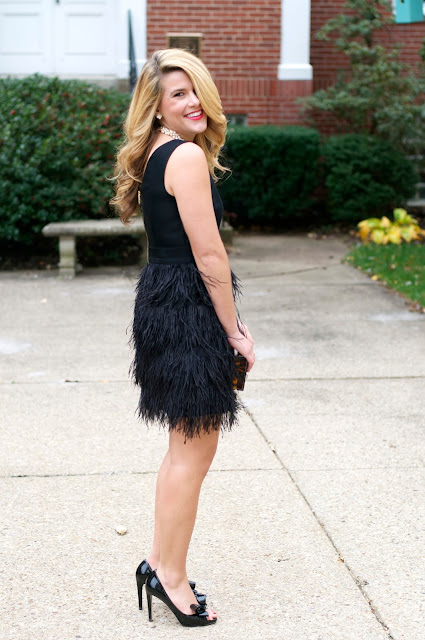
(401, 267)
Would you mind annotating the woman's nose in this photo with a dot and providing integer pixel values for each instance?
(194, 98)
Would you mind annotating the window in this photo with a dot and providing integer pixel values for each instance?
(236, 119)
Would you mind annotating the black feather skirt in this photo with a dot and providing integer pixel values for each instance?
(182, 362)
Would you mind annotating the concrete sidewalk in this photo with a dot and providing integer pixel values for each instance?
(311, 523)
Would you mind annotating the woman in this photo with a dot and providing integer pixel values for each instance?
(185, 327)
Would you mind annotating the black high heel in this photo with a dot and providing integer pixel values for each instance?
(199, 617)
(142, 574)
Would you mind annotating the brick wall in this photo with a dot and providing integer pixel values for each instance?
(324, 58)
(241, 48)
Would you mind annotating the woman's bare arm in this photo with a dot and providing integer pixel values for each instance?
(188, 176)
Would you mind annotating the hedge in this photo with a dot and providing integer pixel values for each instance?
(58, 140)
(274, 173)
(364, 177)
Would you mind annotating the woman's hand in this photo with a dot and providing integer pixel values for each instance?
(242, 341)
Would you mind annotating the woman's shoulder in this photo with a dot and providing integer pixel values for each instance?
(186, 157)
(189, 151)
(187, 165)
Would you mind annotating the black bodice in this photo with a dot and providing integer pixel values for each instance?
(167, 239)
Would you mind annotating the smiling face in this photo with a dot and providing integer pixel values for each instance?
(180, 107)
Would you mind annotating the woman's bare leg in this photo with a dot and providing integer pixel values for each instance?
(153, 557)
(180, 484)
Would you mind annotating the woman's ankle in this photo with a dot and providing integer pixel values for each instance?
(153, 560)
(171, 576)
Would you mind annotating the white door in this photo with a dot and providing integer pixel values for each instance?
(84, 36)
(64, 37)
(25, 36)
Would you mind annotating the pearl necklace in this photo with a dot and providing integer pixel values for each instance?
(170, 132)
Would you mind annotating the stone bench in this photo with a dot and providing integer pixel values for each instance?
(70, 230)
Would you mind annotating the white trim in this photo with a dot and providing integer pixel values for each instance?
(138, 15)
(295, 72)
(295, 41)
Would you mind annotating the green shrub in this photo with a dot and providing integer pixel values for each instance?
(274, 173)
(58, 140)
(364, 177)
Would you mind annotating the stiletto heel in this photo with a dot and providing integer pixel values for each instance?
(149, 599)
(140, 593)
(197, 619)
(144, 570)
(142, 573)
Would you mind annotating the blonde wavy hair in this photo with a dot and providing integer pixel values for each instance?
(141, 125)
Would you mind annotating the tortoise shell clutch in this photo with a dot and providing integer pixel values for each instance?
(239, 373)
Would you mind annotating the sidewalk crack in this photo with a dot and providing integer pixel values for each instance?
(360, 583)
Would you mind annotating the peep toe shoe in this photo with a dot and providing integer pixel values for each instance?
(142, 573)
(199, 617)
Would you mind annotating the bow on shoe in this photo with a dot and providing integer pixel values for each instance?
(199, 610)
(201, 598)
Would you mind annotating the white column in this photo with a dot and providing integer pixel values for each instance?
(138, 16)
(295, 41)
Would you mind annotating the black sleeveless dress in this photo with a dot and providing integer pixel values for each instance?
(183, 362)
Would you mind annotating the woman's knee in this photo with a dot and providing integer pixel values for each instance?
(196, 453)
(206, 460)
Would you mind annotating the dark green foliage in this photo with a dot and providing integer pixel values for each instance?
(58, 141)
(365, 177)
(274, 172)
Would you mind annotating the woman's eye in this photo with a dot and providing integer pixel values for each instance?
(180, 93)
